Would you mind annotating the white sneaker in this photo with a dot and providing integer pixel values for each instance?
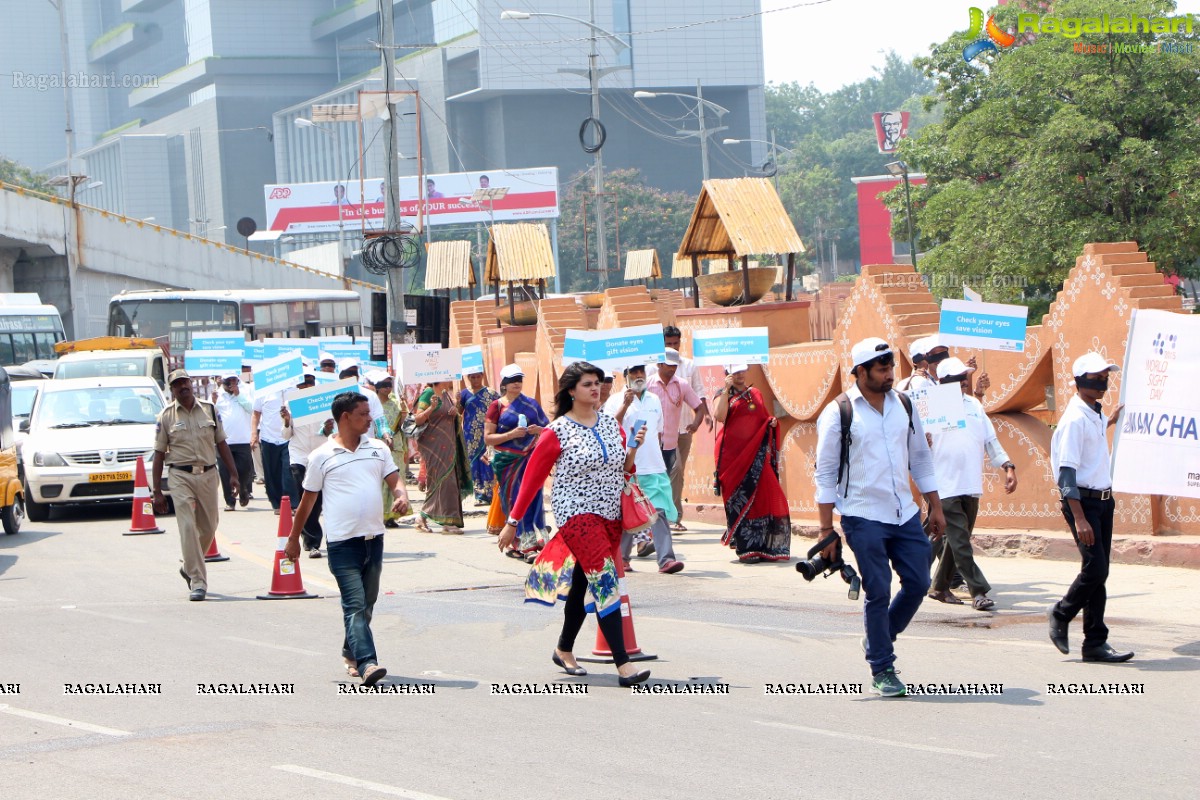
(314, 553)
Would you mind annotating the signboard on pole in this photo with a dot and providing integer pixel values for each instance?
(307, 348)
(219, 340)
(357, 353)
(314, 405)
(614, 349)
(212, 362)
(323, 207)
(940, 407)
(714, 348)
(277, 374)
(472, 360)
(254, 352)
(983, 326)
(430, 366)
(1156, 449)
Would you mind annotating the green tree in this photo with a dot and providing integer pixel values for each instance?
(832, 137)
(1042, 150)
(645, 217)
(14, 174)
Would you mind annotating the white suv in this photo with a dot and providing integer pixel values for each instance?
(85, 436)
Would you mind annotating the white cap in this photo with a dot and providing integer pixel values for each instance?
(376, 376)
(953, 366)
(730, 369)
(511, 371)
(867, 349)
(230, 376)
(922, 346)
(309, 372)
(1092, 362)
(326, 357)
(673, 357)
(347, 363)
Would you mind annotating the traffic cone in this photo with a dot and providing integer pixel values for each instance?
(286, 583)
(143, 504)
(601, 654)
(213, 553)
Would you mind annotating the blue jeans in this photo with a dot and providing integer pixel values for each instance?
(877, 547)
(356, 565)
(277, 473)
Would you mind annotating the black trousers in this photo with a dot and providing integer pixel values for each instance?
(312, 533)
(1088, 593)
(244, 461)
(574, 614)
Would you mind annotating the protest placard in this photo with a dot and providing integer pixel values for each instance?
(430, 366)
(940, 407)
(983, 326)
(313, 405)
(212, 362)
(730, 346)
(218, 340)
(274, 375)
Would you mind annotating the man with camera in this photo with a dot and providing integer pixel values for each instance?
(869, 442)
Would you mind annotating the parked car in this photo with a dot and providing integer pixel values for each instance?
(111, 356)
(12, 500)
(85, 437)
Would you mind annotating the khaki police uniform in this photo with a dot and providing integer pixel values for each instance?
(189, 441)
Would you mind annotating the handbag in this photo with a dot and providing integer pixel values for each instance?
(411, 430)
(637, 514)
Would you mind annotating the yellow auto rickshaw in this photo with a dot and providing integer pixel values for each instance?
(12, 512)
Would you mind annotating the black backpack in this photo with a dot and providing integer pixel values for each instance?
(846, 412)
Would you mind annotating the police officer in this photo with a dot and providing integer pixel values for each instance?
(1080, 459)
(189, 436)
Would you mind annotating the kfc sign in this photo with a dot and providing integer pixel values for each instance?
(890, 128)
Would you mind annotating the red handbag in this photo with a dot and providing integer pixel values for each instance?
(637, 514)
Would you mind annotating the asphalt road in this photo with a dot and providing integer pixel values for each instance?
(82, 604)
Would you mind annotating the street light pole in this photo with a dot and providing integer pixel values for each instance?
(912, 240)
(395, 281)
(597, 157)
(704, 132)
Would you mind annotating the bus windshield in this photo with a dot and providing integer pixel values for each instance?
(26, 337)
(175, 319)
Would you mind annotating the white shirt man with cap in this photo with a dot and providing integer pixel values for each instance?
(958, 462)
(1079, 458)
(880, 522)
(236, 409)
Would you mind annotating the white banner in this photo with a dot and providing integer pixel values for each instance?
(430, 366)
(325, 206)
(940, 407)
(1156, 449)
(400, 349)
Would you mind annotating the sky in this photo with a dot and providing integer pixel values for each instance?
(838, 42)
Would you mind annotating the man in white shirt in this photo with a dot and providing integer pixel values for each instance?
(347, 471)
(267, 434)
(870, 489)
(302, 439)
(236, 409)
(1079, 458)
(688, 374)
(925, 354)
(638, 406)
(958, 463)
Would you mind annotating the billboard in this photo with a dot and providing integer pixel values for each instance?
(321, 207)
(890, 128)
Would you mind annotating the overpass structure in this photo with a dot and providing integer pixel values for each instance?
(77, 257)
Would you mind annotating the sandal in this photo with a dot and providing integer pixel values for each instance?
(422, 527)
(946, 597)
(351, 668)
(514, 553)
(982, 602)
(677, 527)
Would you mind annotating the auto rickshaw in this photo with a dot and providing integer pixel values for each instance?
(12, 512)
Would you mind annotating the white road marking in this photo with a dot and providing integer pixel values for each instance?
(69, 723)
(858, 737)
(9, 599)
(110, 616)
(283, 647)
(346, 780)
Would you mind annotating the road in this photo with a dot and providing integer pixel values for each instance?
(80, 603)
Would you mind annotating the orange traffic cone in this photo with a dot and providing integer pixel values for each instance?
(286, 583)
(213, 553)
(602, 654)
(143, 504)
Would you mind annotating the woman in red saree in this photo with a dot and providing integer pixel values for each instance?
(747, 455)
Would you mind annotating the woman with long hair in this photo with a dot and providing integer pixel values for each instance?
(474, 402)
(447, 478)
(747, 454)
(586, 449)
(394, 412)
(513, 424)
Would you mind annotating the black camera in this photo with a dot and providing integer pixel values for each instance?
(817, 564)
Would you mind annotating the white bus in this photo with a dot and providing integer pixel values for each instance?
(28, 329)
(261, 313)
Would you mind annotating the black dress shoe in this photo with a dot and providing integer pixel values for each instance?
(635, 678)
(197, 594)
(1058, 632)
(577, 672)
(1106, 654)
